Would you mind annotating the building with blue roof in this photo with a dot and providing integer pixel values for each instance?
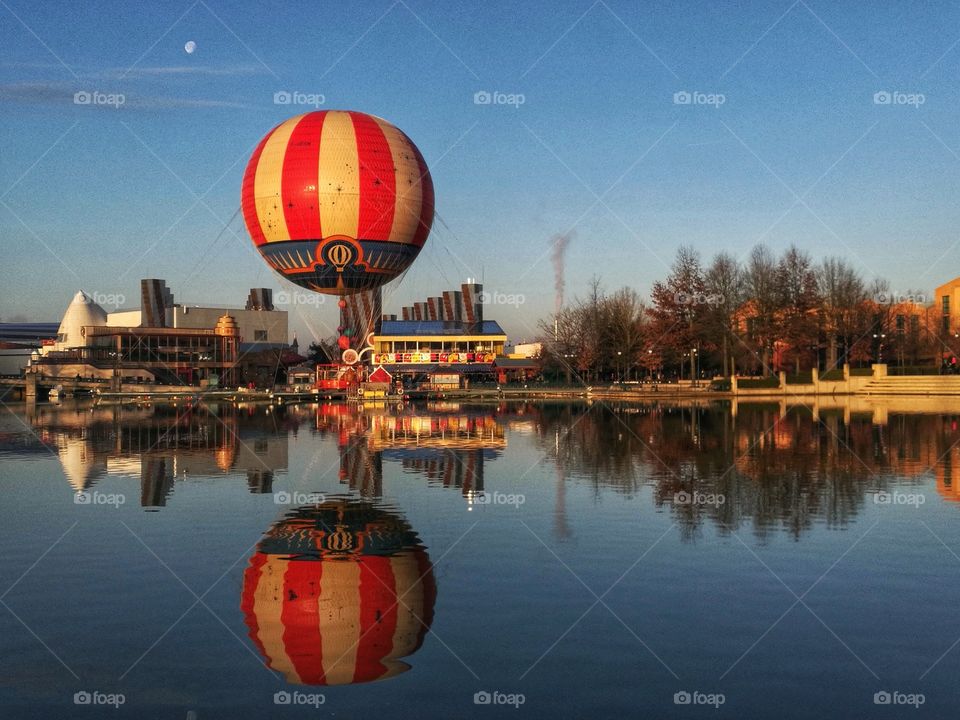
(445, 333)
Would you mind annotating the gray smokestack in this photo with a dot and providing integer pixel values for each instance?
(155, 300)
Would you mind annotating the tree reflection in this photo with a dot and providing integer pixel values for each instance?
(766, 468)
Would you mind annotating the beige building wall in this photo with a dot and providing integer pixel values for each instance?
(269, 326)
(946, 306)
(124, 318)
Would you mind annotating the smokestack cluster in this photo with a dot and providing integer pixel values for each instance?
(456, 306)
(260, 299)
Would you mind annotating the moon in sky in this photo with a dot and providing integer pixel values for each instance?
(190, 47)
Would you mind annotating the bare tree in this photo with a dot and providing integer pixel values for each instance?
(760, 282)
(842, 293)
(624, 326)
(799, 299)
(678, 307)
(723, 286)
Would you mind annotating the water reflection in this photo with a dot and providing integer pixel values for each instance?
(776, 467)
(773, 466)
(447, 443)
(338, 593)
(162, 444)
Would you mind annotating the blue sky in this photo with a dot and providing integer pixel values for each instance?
(97, 196)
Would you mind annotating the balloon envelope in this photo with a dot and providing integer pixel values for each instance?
(337, 201)
(338, 593)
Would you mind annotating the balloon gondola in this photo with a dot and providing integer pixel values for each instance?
(338, 202)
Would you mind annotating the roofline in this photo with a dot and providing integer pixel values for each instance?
(108, 330)
(439, 337)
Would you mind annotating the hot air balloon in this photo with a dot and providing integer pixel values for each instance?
(337, 593)
(338, 202)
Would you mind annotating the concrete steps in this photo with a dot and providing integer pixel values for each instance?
(913, 385)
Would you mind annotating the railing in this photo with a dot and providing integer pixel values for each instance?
(913, 370)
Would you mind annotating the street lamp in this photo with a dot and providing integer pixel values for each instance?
(619, 367)
(696, 366)
(881, 337)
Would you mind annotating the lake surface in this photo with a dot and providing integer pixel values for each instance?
(454, 560)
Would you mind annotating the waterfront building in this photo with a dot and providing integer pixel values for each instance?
(19, 341)
(445, 332)
(946, 302)
(169, 343)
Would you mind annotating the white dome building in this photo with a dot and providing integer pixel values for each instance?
(82, 311)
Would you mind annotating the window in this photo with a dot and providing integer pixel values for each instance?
(900, 323)
(945, 304)
(260, 335)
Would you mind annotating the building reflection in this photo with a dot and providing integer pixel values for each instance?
(777, 467)
(162, 445)
(338, 593)
(446, 443)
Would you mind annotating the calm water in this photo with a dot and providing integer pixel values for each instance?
(583, 560)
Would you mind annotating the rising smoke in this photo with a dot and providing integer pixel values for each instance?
(559, 243)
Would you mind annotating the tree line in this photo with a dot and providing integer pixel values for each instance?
(756, 317)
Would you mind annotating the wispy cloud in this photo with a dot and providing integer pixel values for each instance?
(159, 71)
(173, 103)
(185, 71)
(61, 93)
(36, 93)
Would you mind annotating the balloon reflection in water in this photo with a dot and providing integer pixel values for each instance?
(337, 593)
